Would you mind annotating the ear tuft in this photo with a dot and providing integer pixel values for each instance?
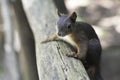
(73, 16)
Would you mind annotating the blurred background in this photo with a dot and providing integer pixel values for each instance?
(103, 15)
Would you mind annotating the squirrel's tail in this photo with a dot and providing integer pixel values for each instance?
(97, 75)
(94, 73)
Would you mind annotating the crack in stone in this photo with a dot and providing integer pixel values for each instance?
(65, 68)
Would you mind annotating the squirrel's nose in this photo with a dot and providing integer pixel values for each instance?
(59, 34)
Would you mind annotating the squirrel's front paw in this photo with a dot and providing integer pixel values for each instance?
(45, 41)
(75, 55)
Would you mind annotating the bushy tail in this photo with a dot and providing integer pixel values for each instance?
(94, 73)
(97, 76)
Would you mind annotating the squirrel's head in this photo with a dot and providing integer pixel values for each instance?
(65, 24)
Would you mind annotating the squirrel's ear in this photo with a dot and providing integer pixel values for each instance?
(59, 14)
(73, 16)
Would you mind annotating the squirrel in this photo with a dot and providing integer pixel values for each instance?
(84, 38)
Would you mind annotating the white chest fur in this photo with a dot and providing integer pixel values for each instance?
(69, 40)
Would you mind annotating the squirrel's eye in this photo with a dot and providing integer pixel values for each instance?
(69, 26)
